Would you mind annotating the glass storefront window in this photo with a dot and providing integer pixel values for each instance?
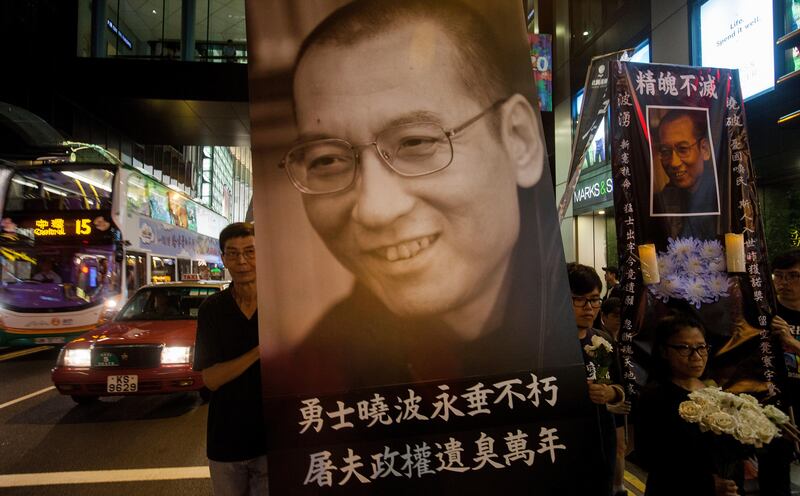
(135, 29)
(597, 153)
(135, 271)
(781, 215)
(162, 269)
(184, 268)
(792, 18)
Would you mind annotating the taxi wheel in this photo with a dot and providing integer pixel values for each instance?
(83, 400)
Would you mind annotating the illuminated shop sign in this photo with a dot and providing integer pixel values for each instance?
(595, 191)
(738, 34)
(119, 33)
(62, 227)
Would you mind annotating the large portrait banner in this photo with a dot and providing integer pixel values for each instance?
(689, 232)
(417, 334)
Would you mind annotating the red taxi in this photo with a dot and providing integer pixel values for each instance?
(147, 349)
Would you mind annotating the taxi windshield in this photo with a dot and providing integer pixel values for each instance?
(166, 303)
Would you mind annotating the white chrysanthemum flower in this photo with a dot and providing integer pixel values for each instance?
(682, 247)
(711, 250)
(718, 284)
(717, 265)
(694, 265)
(666, 264)
(697, 291)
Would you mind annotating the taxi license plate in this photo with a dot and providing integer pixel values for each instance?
(56, 340)
(122, 383)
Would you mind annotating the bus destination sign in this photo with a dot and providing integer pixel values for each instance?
(62, 227)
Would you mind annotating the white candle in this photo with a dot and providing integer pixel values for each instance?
(734, 252)
(649, 263)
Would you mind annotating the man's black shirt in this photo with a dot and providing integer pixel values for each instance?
(235, 415)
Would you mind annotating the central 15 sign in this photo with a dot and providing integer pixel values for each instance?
(61, 227)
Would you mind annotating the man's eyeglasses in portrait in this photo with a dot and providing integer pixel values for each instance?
(682, 149)
(329, 165)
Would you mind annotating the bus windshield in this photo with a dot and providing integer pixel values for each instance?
(55, 277)
(57, 239)
(53, 188)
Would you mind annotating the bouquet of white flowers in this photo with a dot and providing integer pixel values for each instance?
(692, 270)
(600, 354)
(737, 415)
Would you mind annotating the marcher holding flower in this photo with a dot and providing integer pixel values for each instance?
(677, 454)
(602, 369)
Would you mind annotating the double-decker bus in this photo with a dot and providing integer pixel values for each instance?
(77, 236)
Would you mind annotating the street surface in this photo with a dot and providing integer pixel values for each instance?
(50, 436)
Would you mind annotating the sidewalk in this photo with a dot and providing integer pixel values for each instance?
(635, 479)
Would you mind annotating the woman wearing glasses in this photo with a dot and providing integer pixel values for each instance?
(677, 456)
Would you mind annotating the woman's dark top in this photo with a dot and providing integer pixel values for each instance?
(677, 456)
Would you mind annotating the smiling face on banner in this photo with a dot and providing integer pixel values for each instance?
(423, 245)
(683, 152)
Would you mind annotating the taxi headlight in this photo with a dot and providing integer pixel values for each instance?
(176, 354)
(110, 304)
(78, 357)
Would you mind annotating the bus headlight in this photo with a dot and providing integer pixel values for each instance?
(176, 354)
(77, 357)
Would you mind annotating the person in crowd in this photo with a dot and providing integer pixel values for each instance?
(775, 459)
(426, 187)
(676, 454)
(227, 353)
(229, 51)
(613, 289)
(46, 272)
(605, 391)
(610, 323)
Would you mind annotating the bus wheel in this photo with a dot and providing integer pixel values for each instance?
(83, 400)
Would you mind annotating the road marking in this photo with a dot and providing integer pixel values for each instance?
(27, 351)
(23, 398)
(102, 476)
(634, 481)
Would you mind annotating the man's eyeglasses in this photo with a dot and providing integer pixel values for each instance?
(330, 165)
(790, 276)
(683, 150)
(685, 350)
(248, 254)
(581, 301)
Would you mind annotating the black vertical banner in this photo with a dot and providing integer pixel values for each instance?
(593, 109)
(689, 232)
